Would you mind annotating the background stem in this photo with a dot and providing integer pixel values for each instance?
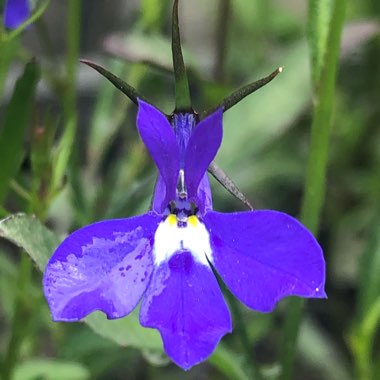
(222, 28)
(316, 172)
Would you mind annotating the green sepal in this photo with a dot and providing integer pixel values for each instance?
(242, 92)
(124, 87)
(182, 90)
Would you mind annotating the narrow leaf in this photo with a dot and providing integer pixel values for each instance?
(8, 50)
(16, 122)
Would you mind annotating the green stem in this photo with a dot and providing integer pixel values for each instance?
(72, 58)
(316, 172)
(221, 38)
(362, 343)
(20, 319)
(18, 189)
(241, 331)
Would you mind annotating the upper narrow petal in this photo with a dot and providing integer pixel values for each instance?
(264, 256)
(184, 302)
(104, 266)
(15, 13)
(201, 150)
(159, 138)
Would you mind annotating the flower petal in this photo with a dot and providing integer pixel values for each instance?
(159, 195)
(264, 256)
(159, 138)
(204, 196)
(184, 302)
(104, 266)
(15, 13)
(201, 150)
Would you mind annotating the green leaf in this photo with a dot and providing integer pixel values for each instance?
(29, 233)
(39, 242)
(228, 363)
(50, 370)
(126, 332)
(16, 121)
(8, 51)
(152, 13)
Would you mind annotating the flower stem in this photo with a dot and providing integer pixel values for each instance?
(316, 172)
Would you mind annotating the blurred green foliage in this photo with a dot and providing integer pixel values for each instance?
(70, 154)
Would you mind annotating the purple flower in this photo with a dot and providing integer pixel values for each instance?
(164, 257)
(15, 13)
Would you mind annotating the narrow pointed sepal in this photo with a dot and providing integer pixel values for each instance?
(182, 90)
(243, 92)
(124, 87)
(228, 184)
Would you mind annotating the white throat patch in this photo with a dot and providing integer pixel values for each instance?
(192, 237)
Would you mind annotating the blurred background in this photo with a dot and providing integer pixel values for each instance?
(78, 159)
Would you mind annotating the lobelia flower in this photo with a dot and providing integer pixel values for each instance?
(166, 257)
(15, 13)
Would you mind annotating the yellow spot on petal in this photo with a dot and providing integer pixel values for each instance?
(172, 220)
(193, 220)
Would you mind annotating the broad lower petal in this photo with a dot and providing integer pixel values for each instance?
(104, 266)
(159, 138)
(263, 256)
(185, 304)
(15, 13)
(201, 150)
